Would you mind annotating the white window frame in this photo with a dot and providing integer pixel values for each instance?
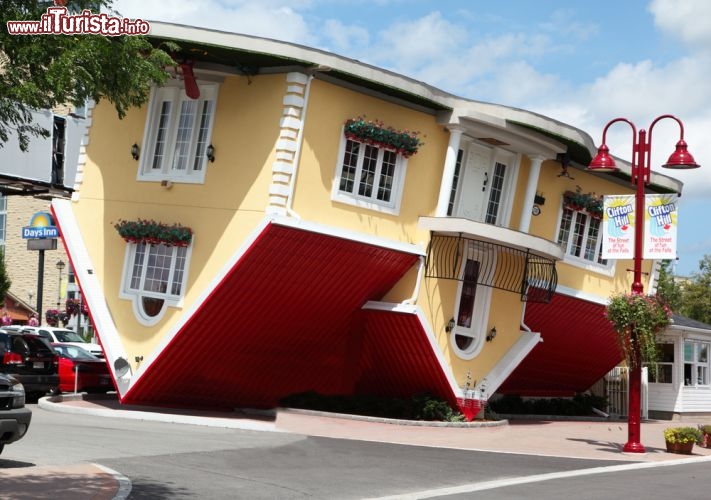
(137, 295)
(369, 202)
(606, 269)
(482, 302)
(695, 364)
(175, 95)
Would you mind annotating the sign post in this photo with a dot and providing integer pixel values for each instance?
(41, 235)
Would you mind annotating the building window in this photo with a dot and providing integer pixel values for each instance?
(495, 193)
(463, 336)
(178, 132)
(696, 363)
(369, 176)
(154, 278)
(455, 182)
(579, 235)
(471, 309)
(664, 366)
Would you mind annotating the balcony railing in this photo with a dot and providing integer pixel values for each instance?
(531, 276)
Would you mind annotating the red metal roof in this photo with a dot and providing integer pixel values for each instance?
(579, 346)
(398, 359)
(286, 319)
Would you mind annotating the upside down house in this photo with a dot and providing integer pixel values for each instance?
(279, 219)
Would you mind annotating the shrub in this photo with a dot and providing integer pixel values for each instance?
(419, 407)
(578, 405)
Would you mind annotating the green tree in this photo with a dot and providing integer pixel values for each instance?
(4, 279)
(46, 71)
(696, 293)
(667, 287)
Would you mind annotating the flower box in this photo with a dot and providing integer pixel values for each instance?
(404, 142)
(585, 202)
(152, 232)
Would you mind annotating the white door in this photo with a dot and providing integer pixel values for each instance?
(484, 192)
(474, 188)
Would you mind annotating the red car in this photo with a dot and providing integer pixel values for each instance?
(81, 371)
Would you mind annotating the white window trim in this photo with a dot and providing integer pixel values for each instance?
(695, 363)
(177, 92)
(136, 297)
(392, 207)
(480, 314)
(593, 267)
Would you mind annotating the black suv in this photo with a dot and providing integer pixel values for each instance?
(31, 360)
(14, 417)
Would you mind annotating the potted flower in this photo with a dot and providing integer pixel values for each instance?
(637, 319)
(705, 441)
(681, 439)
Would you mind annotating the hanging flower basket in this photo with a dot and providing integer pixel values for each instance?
(642, 315)
(374, 132)
(588, 202)
(52, 316)
(152, 232)
(72, 307)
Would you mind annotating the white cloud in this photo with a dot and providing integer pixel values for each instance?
(344, 39)
(687, 20)
(271, 18)
(410, 45)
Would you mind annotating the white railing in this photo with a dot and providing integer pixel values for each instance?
(617, 393)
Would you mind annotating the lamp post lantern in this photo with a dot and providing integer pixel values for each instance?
(641, 172)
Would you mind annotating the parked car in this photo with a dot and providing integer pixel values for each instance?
(30, 359)
(14, 417)
(81, 371)
(63, 335)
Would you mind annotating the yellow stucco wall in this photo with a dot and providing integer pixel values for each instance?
(222, 212)
(329, 107)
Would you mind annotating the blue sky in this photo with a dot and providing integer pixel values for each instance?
(580, 62)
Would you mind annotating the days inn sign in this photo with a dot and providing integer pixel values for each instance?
(41, 234)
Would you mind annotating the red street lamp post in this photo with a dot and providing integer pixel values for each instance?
(641, 171)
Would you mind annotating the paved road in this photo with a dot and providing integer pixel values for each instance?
(180, 461)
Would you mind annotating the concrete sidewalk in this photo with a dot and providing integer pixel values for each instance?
(592, 439)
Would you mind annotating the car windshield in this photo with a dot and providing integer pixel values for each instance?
(74, 352)
(68, 336)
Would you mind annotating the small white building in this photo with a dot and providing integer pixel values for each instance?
(681, 387)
